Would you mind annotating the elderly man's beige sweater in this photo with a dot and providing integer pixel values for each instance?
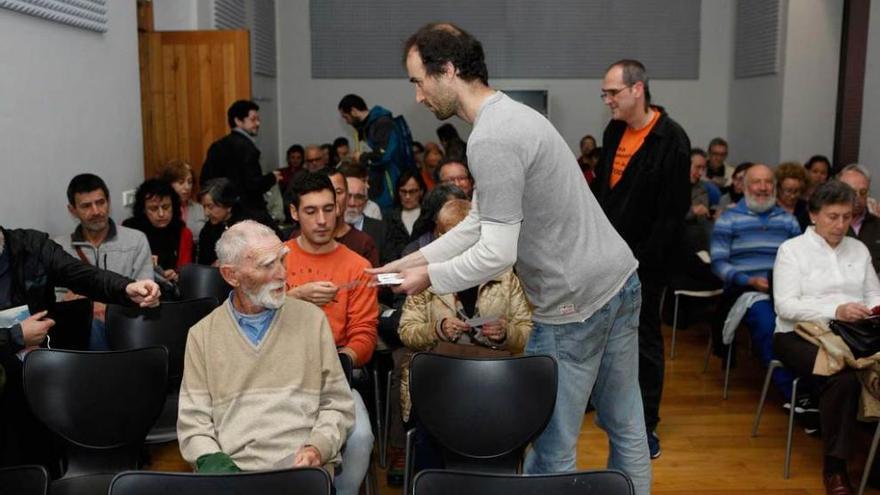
(260, 404)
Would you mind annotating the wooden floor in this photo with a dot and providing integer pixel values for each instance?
(706, 442)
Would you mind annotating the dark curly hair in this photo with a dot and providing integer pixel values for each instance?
(156, 188)
(438, 43)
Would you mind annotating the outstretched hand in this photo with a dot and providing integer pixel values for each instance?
(144, 293)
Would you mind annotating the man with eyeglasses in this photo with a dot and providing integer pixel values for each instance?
(390, 239)
(865, 225)
(452, 171)
(642, 183)
(718, 170)
(314, 160)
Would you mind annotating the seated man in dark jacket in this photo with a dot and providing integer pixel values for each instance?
(31, 266)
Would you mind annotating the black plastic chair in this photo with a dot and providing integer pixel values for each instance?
(24, 480)
(73, 324)
(442, 482)
(347, 366)
(482, 412)
(301, 481)
(198, 281)
(131, 327)
(101, 403)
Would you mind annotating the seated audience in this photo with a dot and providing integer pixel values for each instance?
(818, 171)
(179, 174)
(453, 145)
(31, 267)
(588, 167)
(425, 226)
(735, 192)
(455, 172)
(294, 165)
(418, 150)
(791, 180)
(262, 386)
(408, 204)
(341, 150)
(314, 158)
(823, 275)
(390, 239)
(220, 201)
(328, 274)
(156, 213)
(718, 170)
(433, 157)
(429, 317)
(328, 156)
(98, 241)
(743, 249)
(350, 237)
(865, 225)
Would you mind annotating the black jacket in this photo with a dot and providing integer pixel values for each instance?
(649, 203)
(237, 158)
(38, 265)
(869, 234)
(390, 239)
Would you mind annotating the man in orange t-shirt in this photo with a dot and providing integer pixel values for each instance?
(330, 275)
(643, 185)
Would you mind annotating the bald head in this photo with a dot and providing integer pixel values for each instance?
(760, 188)
(234, 245)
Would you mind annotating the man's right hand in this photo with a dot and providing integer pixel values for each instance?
(760, 284)
(35, 328)
(318, 293)
(700, 210)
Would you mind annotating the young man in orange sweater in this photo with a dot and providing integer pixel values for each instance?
(331, 276)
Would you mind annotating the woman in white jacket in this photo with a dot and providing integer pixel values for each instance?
(823, 275)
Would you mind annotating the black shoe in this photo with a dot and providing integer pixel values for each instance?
(810, 421)
(654, 445)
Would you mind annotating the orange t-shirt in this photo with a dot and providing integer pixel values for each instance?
(629, 144)
(354, 314)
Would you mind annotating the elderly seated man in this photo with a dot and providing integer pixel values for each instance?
(262, 387)
(743, 250)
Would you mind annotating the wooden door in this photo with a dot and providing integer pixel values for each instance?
(188, 80)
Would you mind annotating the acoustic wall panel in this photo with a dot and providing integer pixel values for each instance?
(573, 39)
(263, 37)
(83, 14)
(229, 14)
(758, 32)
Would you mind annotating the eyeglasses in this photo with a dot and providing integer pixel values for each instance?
(409, 192)
(796, 191)
(862, 193)
(612, 92)
(314, 160)
(358, 197)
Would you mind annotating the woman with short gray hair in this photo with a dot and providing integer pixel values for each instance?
(818, 276)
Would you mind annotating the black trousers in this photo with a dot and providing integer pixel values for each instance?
(838, 393)
(651, 354)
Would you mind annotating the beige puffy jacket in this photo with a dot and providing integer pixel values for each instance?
(423, 313)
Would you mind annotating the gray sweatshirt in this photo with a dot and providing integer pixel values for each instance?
(125, 251)
(532, 207)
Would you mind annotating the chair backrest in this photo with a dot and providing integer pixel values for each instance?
(131, 327)
(443, 482)
(73, 324)
(301, 481)
(102, 403)
(483, 412)
(197, 281)
(24, 480)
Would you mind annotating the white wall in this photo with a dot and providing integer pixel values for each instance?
(308, 107)
(71, 104)
(869, 147)
(809, 97)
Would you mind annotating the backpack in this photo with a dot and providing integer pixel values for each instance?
(409, 160)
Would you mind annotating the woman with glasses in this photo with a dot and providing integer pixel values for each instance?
(408, 201)
(156, 213)
(791, 179)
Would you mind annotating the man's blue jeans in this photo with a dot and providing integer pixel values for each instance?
(600, 354)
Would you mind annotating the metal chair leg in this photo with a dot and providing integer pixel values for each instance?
(708, 353)
(773, 365)
(410, 460)
(786, 473)
(674, 328)
(383, 447)
(378, 404)
(870, 462)
(727, 368)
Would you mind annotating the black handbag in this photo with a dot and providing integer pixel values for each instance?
(862, 337)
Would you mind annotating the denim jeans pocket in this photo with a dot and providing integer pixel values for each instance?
(582, 341)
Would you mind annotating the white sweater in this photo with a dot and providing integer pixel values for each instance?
(811, 279)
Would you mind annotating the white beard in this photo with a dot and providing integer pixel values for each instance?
(760, 206)
(265, 298)
(352, 216)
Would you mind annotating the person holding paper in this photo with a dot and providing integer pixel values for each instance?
(31, 267)
(533, 210)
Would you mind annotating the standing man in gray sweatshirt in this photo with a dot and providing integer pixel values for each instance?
(532, 209)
